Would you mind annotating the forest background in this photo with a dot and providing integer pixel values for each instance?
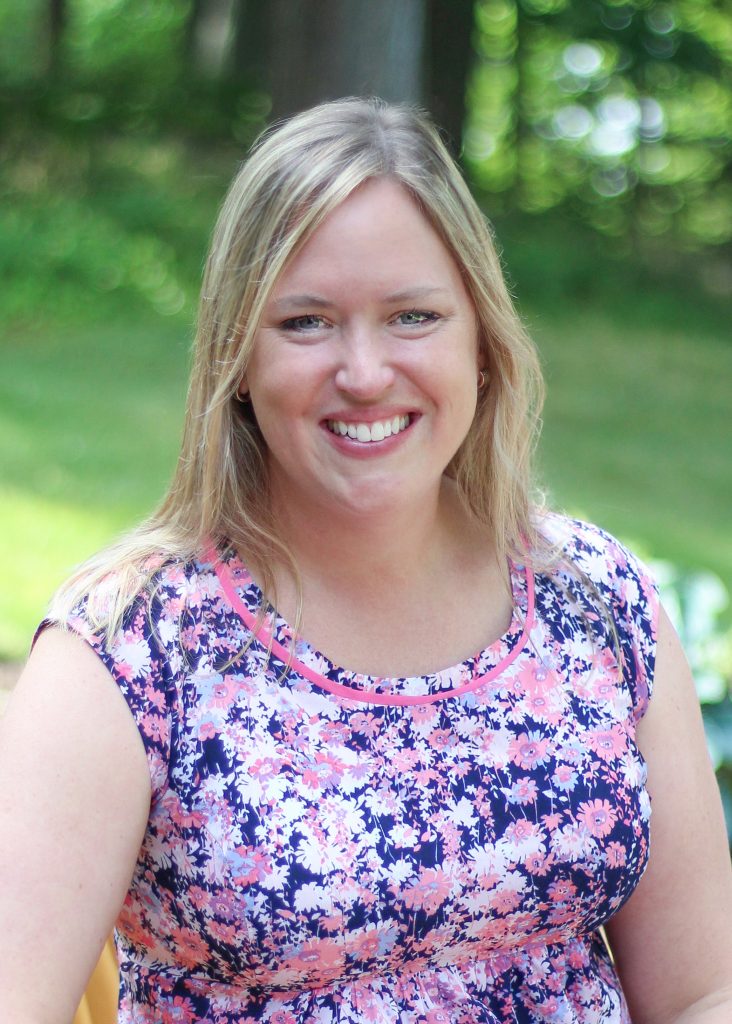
(597, 136)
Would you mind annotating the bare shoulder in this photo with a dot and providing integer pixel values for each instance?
(683, 903)
(74, 803)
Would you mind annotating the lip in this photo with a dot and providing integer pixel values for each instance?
(358, 449)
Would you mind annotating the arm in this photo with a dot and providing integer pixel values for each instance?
(672, 941)
(74, 803)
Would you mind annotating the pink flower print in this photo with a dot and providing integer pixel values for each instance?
(615, 855)
(528, 750)
(538, 863)
(571, 842)
(199, 898)
(265, 768)
(542, 708)
(155, 727)
(523, 791)
(222, 692)
(562, 890)
(283, 1017)
(505, 900)
(437, 1017)
(179, 1011)
(249, 865)
(206, 730)
(365, 722)
(608, 744)
(156, 697)
(523, 838)
(551, 821)
(403, 761)
(224, 904)
(323, 957)
(605, 665)
(130, 924)
(224, 932)
(429, 892)
(441, 739)
(324, 771)
(424, 714)
(190, 948)
(598, 817)
(564, 777)
(364, 945)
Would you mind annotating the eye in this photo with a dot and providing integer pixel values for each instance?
(304, 324)
(415, 318)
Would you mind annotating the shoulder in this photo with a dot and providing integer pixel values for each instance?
(150, 644)
(603, 561)
(614, 591)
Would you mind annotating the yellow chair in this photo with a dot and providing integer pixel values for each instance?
(99, 1005)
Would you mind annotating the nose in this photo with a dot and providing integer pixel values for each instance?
(365, 371)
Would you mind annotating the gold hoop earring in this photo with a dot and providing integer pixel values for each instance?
(482, 379)
(243, 399)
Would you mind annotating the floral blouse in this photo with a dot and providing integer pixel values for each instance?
(326, 847)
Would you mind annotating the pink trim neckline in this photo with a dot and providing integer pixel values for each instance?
(266, 637)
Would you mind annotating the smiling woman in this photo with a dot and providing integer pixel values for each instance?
(362, 397)
(352, 728)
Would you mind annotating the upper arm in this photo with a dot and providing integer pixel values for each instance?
(672, 941)
(74, 803)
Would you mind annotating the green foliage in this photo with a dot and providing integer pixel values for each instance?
(622, 112)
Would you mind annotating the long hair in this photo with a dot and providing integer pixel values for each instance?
(296, 174)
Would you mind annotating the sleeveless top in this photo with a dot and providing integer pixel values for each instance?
(329, 847)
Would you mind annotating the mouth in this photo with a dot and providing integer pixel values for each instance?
(367, 433)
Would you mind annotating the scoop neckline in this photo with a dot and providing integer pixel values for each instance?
(276, 635)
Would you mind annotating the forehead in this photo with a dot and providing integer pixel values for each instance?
(378, 232)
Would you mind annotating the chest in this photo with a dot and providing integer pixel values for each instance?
(308, 838)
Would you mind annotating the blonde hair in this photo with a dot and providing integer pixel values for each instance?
(296, 174)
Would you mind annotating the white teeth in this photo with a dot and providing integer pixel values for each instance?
(367, 432)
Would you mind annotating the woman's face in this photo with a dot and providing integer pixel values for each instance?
(363, 376)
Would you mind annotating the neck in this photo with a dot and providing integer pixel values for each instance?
(376, 551)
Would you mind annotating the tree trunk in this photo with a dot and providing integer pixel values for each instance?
(56, 23)
(210, 36)
(323, 49)
(449, 61)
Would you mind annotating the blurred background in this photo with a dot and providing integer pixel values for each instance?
(597, 136)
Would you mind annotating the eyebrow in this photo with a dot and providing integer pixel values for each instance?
(405, 295)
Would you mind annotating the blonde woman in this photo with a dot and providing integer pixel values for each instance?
(351, 730)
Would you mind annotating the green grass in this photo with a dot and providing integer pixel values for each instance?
(101, 245)
(89, 427)
(638, 434)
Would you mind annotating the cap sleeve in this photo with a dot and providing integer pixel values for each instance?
(140, 665)
(636, 605)
(628, 593)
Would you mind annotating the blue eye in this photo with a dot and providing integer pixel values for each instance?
(416, 317)
(308, 322)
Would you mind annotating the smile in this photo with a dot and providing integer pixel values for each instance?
(368, 432)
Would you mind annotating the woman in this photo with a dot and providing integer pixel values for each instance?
(339, 811)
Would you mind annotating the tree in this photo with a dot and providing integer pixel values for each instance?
(620, 111)
(322, 49)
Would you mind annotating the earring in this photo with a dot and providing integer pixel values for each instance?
(242, 397)
(482, 379)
